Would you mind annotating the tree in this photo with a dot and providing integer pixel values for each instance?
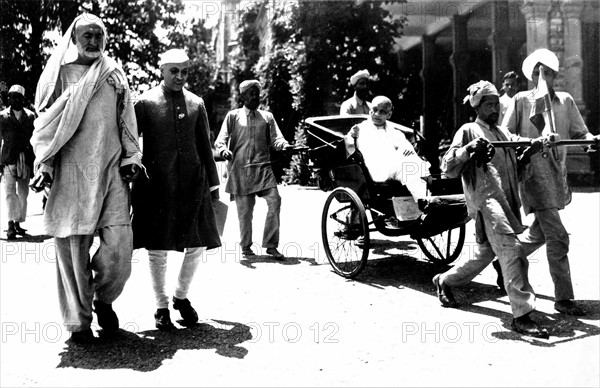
(360, 36)
(313, 54)
(245, 56)
(134, 38)
(24, 43)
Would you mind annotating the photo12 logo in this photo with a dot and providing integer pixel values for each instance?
(450, 332)
(293, 332)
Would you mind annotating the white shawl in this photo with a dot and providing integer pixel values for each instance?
(57, 123)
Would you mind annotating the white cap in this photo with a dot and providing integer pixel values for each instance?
(543, 56)
(17, 89)
(248, 84)
(173, 56)
(358, 75)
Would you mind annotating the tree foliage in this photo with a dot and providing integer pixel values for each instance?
(315, 46)
(24, 43)
(246, 54)
(138, 31)
(360, 36)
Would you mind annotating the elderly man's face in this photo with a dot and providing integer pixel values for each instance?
(90, 40)
(175, 75)
(380, 112)
(251, 98)
(488, 109)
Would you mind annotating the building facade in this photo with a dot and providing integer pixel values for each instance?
(450, 45)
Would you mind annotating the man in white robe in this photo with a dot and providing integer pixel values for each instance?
(86, 147)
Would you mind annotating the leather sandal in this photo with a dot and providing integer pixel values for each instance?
(444, 293)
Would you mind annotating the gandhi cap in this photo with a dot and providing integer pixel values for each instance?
(173, 56)
(17, 89)
(359, 75)
(248, 84)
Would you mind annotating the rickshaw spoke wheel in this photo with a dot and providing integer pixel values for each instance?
(445, 247)
(343, 222)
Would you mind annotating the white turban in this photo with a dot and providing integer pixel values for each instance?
(64, 52)
(543, 56)
(358, 75)
(173, 56)
(478, 91)
(17, 89)
(248, 84)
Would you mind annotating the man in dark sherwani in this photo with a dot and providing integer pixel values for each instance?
(172, 204)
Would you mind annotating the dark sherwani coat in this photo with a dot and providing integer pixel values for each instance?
(14, 137)
(172, 208)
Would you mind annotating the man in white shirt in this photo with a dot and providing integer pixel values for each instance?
(510, 86)
(358, 104)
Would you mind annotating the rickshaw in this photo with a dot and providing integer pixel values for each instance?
(357, 205)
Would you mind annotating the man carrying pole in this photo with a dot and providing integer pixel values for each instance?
(489, 181)
(543, 187)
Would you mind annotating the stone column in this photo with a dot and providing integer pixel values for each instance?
(459, 61)
(536, 19)
(572, 11)
(500, 41)
(430, 130)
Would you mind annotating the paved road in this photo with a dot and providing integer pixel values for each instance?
(296, 323)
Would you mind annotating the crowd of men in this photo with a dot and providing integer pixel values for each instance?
(83, 150)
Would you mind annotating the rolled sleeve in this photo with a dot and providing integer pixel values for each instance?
(456, 157)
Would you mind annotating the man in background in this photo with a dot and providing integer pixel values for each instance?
(358, 104)
(510, 86)
(246, 135)
(16, 158)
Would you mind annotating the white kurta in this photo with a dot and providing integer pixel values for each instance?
(389, 155)
(88, 191)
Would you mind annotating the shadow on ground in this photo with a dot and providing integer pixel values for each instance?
(26, 238)
(404, 271)
(250, 261)
(561, 328)
(147, 350)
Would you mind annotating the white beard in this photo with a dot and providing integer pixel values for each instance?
(90, 54)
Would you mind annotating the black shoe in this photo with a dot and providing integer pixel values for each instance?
(11, 232)
(500, 278)
(444, 293)
(188, 314)
(568, 307)
(247, 251)
(275, 253)
(162, 319)
(20, 231)
(107, 318)
(525, 325)
(83, 337)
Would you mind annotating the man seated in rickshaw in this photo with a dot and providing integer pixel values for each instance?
(387, 154)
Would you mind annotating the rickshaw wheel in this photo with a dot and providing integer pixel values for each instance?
(340, 235)
(445, 247)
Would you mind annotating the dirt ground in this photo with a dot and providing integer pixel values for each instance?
(296, 323)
